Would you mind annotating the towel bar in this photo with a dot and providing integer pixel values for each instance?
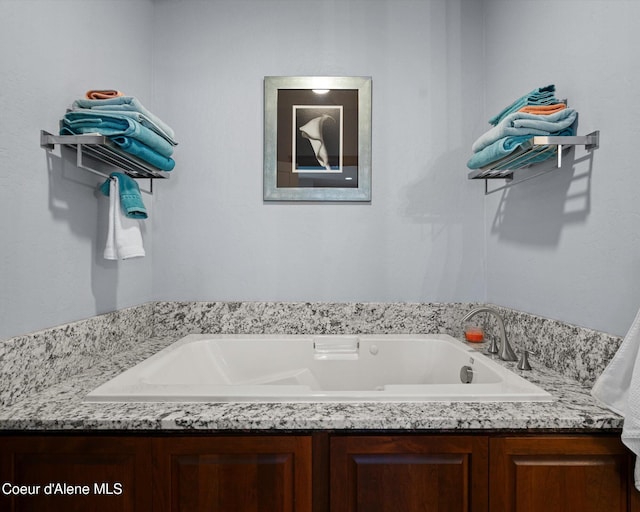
(102, 149)
(540, 144)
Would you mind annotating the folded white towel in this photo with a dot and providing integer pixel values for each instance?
(124, 238)
(619, 389)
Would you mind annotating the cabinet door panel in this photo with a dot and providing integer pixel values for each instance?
(76, 473)
(233, 473)
(409, 473)
(563, 474)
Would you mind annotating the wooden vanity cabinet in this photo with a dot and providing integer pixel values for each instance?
(536, 473)
(229, 473)
(409, 473)
(320, 472)
(75, 473)
(561, 474)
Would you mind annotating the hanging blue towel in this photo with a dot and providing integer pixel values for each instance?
(130, 198)
(123, 103)
(87, 121)
(540, 96)
(521, 123)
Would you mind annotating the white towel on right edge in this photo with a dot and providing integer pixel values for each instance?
(619, 389)
(124, 238)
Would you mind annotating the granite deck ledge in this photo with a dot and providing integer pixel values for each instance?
(61, 408)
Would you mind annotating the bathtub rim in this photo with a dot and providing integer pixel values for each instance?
(108, 391)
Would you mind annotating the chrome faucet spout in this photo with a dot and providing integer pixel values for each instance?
(505, 352)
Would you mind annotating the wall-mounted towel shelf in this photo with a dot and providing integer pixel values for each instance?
(102, 149)
(540, 145)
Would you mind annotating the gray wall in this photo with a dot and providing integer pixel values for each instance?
(563, 246)
(421, 237)
(53, 223)
(567, 245)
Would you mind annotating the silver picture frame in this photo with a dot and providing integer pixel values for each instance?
(317, 138)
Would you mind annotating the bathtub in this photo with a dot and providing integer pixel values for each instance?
(293, 368)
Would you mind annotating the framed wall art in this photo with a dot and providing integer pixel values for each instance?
(317, 138)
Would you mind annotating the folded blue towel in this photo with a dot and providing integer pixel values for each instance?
(539, 96)
(144, 152)
(497, 150)
(507, 148)
(536, 155)
(136, 116)
(505, 161)
(87, 121)
(550, 122)
(130, 198)
(129, 145)
(521, 123)
(123, 103)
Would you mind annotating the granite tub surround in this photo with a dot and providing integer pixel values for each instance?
(177, 319)
(45, 375)
(61, 407)
(31, 362)
(35, 361)
(576, 352)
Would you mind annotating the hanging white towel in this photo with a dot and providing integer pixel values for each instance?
(124, 239)
(619, 389)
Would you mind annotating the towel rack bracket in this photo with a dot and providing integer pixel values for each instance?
(590, 141)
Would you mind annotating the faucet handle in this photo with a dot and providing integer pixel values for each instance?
(523, 363)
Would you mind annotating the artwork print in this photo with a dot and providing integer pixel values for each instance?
(317, 138)
(317, 144)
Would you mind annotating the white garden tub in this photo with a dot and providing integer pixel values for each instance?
(284, 368)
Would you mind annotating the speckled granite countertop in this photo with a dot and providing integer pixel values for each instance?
(61, 407)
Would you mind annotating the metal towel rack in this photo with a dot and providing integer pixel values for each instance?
(540, 144)
(103, 150)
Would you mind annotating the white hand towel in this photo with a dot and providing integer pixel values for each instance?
(619, 389)
(124, 238)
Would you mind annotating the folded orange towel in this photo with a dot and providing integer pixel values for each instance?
(102, 94)
(543, 109)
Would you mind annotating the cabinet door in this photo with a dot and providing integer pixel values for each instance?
(75, 474)
(409, 473)
(221, 474)
(563, 474)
